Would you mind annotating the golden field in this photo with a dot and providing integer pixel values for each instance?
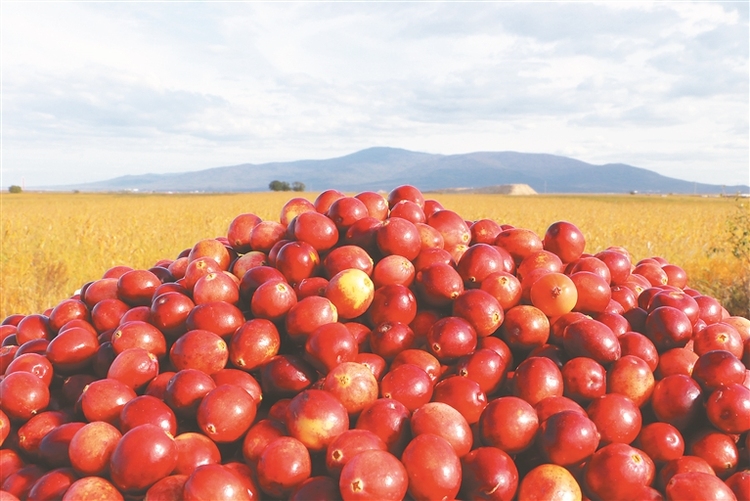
(52, 243)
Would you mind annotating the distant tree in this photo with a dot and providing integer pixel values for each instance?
(277, 185)
(298, 186)
(14, 188)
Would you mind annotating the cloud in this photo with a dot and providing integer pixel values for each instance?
(95, 102)
(146, 87)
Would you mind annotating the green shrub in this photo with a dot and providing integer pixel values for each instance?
(277, 185)
(734, 293)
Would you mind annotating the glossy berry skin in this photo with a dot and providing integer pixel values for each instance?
(409, 384)
(214, 481)
(678, 400)
(485, 366)
(568, 438)
(143, 456)
(480, 309)
(549, 482)
(91, 447)
(373, 474)
(451, 338)
(508, 423)
(445, 421)
(389, 420)
(698, 485)
(593, 339)
(565, 240)
(488, 473)
(433, 468)
(616, 417)
(194, 450)
(254, 343)
(354, 385)
(284, 464)
(315, 418)
(617, 471)
(316, 488)
(398, 236)
(23, 395)
(662, 442)
(347, 445)
(226, 413)
(728, 408)
(438, 284)
(668, 327)
(554, 293)
(537, 378)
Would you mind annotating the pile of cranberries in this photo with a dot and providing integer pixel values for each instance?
(379, 347)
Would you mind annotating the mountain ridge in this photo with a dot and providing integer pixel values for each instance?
(382, 168)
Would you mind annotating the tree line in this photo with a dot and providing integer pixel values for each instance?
(277, 185)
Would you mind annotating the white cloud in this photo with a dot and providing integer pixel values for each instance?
(166, 87)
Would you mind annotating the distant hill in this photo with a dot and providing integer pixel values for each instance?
(383, 168)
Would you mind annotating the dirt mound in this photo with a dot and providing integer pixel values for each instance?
(498, 189)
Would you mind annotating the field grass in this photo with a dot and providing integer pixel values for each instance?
(52, 243)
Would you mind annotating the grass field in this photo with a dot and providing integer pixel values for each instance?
(52, 243)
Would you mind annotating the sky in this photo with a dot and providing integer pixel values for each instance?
(96, 90)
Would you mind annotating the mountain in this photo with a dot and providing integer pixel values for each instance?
(381, 168)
